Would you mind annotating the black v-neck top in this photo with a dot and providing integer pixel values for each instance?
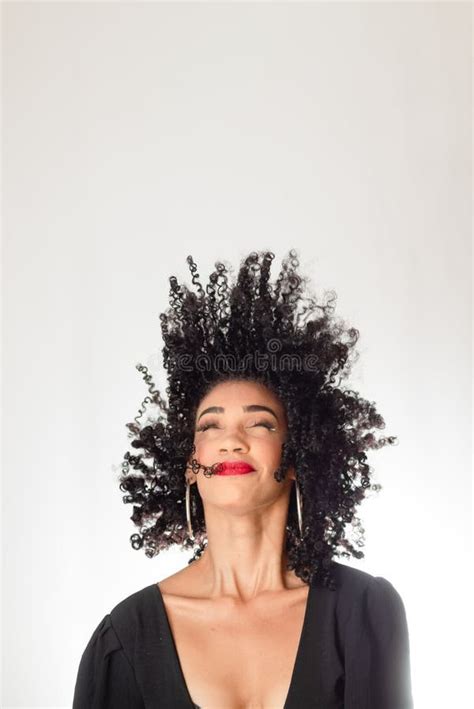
(353, 652)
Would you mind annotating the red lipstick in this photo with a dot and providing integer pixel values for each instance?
(234, 468)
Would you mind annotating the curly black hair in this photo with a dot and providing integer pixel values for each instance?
(277, 335)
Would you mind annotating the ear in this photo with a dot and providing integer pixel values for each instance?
(188, 473)
(291, 473)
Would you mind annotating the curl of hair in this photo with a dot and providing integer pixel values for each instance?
(216, 334)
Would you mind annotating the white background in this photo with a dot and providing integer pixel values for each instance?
(135, 134)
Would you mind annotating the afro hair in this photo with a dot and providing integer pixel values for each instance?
(281, 336)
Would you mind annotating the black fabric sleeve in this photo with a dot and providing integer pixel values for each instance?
(378, 669)
(105, 678)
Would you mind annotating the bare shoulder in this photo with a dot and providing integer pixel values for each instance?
(185, 583)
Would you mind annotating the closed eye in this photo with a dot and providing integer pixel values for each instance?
(267, 425)
(205, 426)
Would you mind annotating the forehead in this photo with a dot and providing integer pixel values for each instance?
(239, 393)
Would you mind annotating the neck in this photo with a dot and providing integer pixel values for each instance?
(245, 554)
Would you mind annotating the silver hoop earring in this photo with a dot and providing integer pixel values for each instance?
(188, 510)
(299, 508)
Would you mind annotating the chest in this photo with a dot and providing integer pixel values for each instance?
(239, 661)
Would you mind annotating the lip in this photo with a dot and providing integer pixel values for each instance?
(234, 468)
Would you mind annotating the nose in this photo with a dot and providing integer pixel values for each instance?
(234, 442)
(235, 447)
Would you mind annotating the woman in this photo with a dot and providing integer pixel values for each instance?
(263, 615)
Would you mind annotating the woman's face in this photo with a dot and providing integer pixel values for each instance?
(245, 421)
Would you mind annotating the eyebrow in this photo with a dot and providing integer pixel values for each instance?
(250, 407)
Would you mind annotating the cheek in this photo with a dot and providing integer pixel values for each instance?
(273, 452)
(205, 450)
